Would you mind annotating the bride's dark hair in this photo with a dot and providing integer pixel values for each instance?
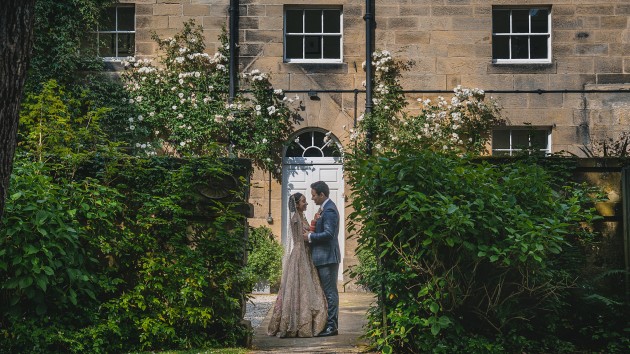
(294, 200)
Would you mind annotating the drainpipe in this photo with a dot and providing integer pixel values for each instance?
(233, 43)
(370, 25)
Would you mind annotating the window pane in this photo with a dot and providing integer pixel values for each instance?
(500, 21)
(539, 139)
(538, 47)
(540, 23)
(501, 47)
(126, 44)
(294, 21)
(293, 47)
(313, 21)
(520, 21)
(126, 18)
(520, 47)
(318, 139)
(109, 20)
(312, 47)
(107, 45)
(332, 48)
(313, 152)
(520, 139)
(501, 139)
(294, 150)
(332, 22)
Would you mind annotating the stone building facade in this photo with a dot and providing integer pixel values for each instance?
(559, 69)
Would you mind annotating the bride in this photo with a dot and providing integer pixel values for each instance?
(300, 308)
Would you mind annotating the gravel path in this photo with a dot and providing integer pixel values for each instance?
(257, 308)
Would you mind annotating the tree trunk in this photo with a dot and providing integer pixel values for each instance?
(16, 43)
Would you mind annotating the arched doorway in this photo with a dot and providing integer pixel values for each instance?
(314, 155)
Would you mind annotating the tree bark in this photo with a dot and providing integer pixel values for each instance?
(16, 43)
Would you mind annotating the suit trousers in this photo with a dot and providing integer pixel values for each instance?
(328, 278)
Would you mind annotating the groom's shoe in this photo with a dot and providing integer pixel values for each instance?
(329, 331)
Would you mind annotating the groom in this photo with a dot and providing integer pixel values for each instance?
(325, 252)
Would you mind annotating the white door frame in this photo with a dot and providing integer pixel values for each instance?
(297, 175)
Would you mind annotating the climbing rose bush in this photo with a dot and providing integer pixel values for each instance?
(460, 124)
(183, 105)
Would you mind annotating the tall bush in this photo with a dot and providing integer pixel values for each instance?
(466, 256)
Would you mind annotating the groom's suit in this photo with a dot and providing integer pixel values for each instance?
(326, 257)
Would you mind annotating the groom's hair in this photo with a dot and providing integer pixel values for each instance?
(321, 187)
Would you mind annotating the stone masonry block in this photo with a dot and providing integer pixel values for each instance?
(481, 24)
(459, 10)
(591, 49)
(488, 82)
(580, 116)
(622, 9)
(274, 10)
(585, 65)
(214, 21)
(255, 10)
(568, 135)
(459, 37)
(570, 81)
(616, 22)
(402, 23)
(608, 65)
(178, 21)
(600, 10)
(167, 9)
(414, 10)
(461, 65)
(412, 37)
(546, 100)
(424, 82)
(275, 50)
(263, 36)
(531, 82)
(144, 9)
(270, 23)
(196, 10)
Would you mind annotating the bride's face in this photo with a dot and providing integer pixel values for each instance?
(302, 204)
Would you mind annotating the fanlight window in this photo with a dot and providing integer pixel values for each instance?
(313, 144)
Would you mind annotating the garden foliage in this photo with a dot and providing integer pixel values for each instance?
(183, 106)
(264, 259)
(105, 248)
(467, 256)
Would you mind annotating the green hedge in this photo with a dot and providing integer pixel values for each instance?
(127, 255)
(476, 258)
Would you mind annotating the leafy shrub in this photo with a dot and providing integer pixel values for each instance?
(264, 261)
(465, 248)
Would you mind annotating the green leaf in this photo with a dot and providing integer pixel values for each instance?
(434, 307)
(435, 329)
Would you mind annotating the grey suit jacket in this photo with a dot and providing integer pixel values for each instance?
(324, 241)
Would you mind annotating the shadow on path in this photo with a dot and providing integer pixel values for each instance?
(352, 318)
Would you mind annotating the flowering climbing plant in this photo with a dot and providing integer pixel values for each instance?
(461, 124)
(184, 108)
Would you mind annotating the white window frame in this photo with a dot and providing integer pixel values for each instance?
(529, 34)
(320, 34)
(117, 32)
(512, 149)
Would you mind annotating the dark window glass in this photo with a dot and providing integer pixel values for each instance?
(126, 18)
(293, 46)
(312, 47)
(501, 47)
(332, 48)
(501, 139)
(294, 150)
(501, 21)
(539, 139)
(313, 21)
(109, 20)
(318, 138)
(520, 139)
(126, 44)
(313, 152)
(107, 45)
(306, 140)
(520, 45)
(294, 21)
(538, 47)
(540, 22)
(332, 22)
(520, 21)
